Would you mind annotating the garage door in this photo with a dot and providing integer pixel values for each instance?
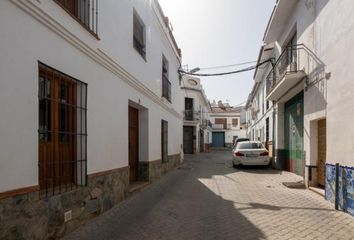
(294, 131)
(218, 139)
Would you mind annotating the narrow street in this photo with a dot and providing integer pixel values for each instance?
(208, 199)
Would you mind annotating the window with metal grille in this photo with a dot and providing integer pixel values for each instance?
(164, 141)
(62, 132)
(139, 35)
(84, 11)
(166, 84)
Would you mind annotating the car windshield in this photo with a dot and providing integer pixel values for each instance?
(249, 145)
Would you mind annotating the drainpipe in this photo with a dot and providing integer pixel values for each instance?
(273, 133)
(272, 61)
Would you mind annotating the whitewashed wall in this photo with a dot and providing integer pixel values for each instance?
(114, 71)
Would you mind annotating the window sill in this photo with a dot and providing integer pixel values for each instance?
(166, 99)
(141, 55)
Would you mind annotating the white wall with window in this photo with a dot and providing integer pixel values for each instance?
(106, 61)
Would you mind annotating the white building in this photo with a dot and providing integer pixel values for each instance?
(312, 91)
(89, 96)
(196, 127)
(226, 124)
(259, 115)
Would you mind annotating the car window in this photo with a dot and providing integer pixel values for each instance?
(240, 140)
(248, 145)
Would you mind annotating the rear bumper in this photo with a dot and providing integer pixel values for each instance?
(260, 161)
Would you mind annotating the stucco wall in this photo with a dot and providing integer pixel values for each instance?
(26, 41)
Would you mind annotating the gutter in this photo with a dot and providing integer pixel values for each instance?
(270, 20)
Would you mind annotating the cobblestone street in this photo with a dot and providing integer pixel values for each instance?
(208, 199)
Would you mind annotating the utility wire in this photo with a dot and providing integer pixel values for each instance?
(226, 66)
(226, 73)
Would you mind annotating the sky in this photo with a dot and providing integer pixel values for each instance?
(218, 33)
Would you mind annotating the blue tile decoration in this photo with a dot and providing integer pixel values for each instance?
(330, 182)
(346, 187)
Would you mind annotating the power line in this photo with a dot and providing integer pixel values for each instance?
(226, 66)
(226, 73)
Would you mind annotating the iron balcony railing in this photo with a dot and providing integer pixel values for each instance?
(206, 123)
(84, 11)
(221, 126)
(191, 115)
(293, 59)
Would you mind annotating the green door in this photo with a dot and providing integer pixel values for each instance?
(218, 139)
(294, 134)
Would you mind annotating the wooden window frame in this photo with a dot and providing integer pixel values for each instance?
(88, 19)
(62, 158)
(233, 124)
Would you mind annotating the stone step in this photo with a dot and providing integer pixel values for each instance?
(137, 186)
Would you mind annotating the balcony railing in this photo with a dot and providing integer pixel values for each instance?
(294, 63)
(221, 126)
(84, 11)
(205, 123)
(191, 115)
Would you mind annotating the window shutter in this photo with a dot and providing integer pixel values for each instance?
(234, 121)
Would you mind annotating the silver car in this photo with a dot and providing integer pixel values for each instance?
(250, 153)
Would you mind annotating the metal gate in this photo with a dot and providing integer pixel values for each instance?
(294, 134)
(218, 139)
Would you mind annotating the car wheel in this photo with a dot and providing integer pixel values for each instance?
(234, 165)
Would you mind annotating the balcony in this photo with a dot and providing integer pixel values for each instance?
(287, 71)
(85, 12)
(221, 126)
(205, 124)
(191, 115)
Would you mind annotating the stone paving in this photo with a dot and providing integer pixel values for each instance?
(208, 199)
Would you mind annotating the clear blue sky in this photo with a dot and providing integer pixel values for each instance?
(220, 32)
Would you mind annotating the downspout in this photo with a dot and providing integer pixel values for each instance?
(273, 137)
(273, 128)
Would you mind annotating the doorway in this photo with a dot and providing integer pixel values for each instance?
(321, 151)
(294, 131)
(201, 140)
(188, 139)
(218, 139)
(133, 144)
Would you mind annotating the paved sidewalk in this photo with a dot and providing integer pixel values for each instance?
(208, 199)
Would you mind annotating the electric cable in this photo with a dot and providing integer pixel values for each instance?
(227, 66)
(226, 73)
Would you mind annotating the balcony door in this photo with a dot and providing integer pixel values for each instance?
(290, 58)
(189, 108)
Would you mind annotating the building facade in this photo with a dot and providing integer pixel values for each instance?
(226, 124)
(309, 88)
(197, 135)
(259, 116)
(90, 93)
